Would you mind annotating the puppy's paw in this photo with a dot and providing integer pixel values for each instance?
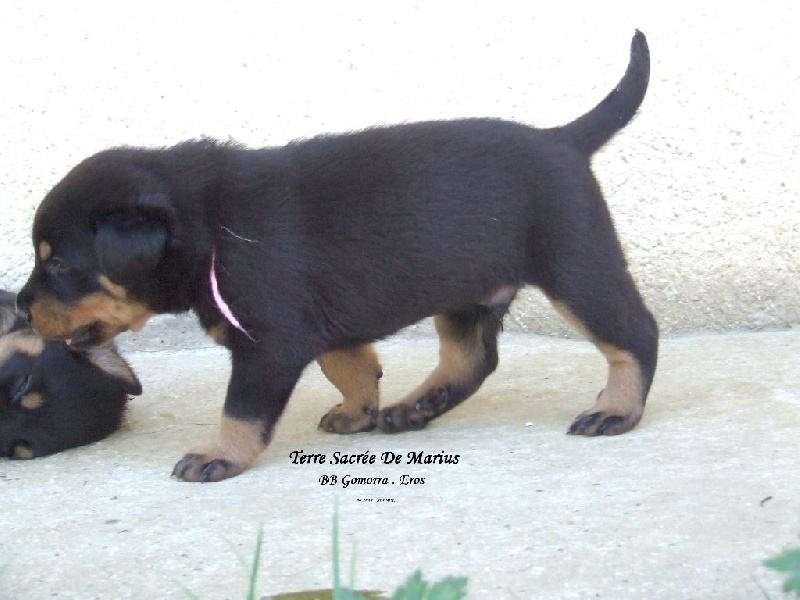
(205, 468)
(402, 417)
(591, 423)
(340, 420)
(236, 448)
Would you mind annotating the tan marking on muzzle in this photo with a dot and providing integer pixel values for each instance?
(218, 333)
(54, 319)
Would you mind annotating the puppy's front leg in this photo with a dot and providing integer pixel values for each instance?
(258, 391)
(355, 372)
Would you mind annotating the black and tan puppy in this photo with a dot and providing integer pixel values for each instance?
(315, 249)
(53, 398)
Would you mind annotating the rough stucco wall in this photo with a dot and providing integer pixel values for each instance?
(703, 184)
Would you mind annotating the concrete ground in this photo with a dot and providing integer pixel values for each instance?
(688, 505)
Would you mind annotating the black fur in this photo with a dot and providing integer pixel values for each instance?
(129, 250)
(81, 396)
(344, 239)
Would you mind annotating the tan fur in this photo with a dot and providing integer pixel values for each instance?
(32, 401)
(572, 320)
(218, 333)
(239, 442)
(622, 395)
(45, 250)
(355, 373)
(54, 319)
(116, 291)
(22, 451)
(458, 360)
(623, 392)
(20, 342)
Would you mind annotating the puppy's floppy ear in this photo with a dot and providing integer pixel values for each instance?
(107, 359)
(130, 243)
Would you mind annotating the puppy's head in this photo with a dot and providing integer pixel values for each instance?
(53, 398)
(98, 236)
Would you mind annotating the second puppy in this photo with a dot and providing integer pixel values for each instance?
(53, 398)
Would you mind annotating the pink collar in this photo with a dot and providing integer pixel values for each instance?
(219, 301)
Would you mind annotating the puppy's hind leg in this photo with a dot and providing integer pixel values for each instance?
(355, 372)
(618, 323)
(467, 355)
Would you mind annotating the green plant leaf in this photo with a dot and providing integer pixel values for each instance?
(338, 592)
(348, 594)
(788, 561)
(450, 588)
(328, 595)
(251, 591)
(186, 591)
(792, 584)
(415, 588)
(353, 567)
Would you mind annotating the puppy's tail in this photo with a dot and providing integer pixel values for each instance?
(591, 131)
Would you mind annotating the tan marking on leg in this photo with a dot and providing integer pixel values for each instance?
(236, 447)
(464, 340)
(22, 451)
(45, 250)
(32, 401)
(355, 373)
(622, 396)
(458, 360)
(572, 320)
(238, 441)
(623, 392)
(218, 333)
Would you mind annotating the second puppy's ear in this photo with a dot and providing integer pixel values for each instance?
(130, 244)
(107, 359)
(8, 315)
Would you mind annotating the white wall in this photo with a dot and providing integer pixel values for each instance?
(703, 184)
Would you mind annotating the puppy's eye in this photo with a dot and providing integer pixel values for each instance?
(56, 266)
(20, 390)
